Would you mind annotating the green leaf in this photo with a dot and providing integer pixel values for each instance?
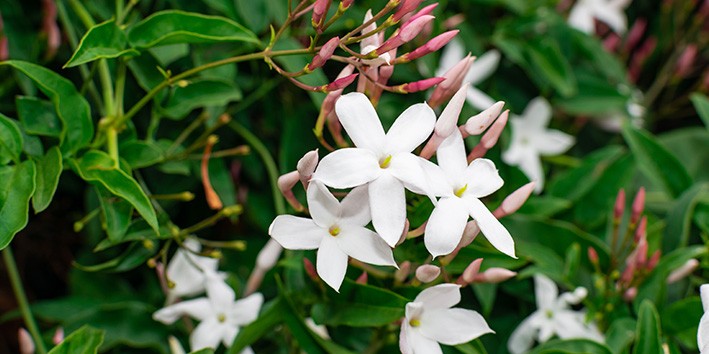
(134, 256)
(575, 183)
(72, 108)
(38, 117)
(116, 213)
(97, 166)
(270, 317)
(647, 333)
(170, 27)
(15, 199)
(701, 104)
(621, 334)
(10, 140)
(546, 59)
(681, 319)
(49, 168)
(139, 154)
(658, 164)
(200, 94)
(572, 346)
(679, 218)
(105, 40)
(84, 340)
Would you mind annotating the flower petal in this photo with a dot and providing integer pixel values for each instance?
(523, 336)
(220, 294)
(704, 295)
(482, 178)
(296, 233)
(452, 158)
(361, 122)
(408, 169)
(188, 279)
(570, 324)
(420, 344)
(612, 16)
(438, 183)
(482, 68)
(410, 129)
(354, 208)
(478, 99)
(246, 310)
(445, 226)
(537, 114)
(453, 326)
(347, 168)
(581, 18)
(552, 142)
(703, 334)
(404, 344)
(331, 263)
(229, 336)
(531, 165)
(323, 206)
(441, 296)
(365, 245)
(207, 334)
(545, 291)
(388, 204)
(491, 228)
(197, 308)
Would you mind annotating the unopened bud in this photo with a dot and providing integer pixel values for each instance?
(362, 279)
(638, 205)
(469, 233)
(58, 336)
(175, 346)
(310, 270)
(593, 256)
(268, 256)
(404, 233)
(427, 10)
(635, 34)
(434, 44)
(345, 4)
(324, 54)
(448, 121)
(319, 11)
(654, 259)
(408, 32)
(494, 275)
(427, 273)
(686, 60)
(471, 271)
(307, 164)
(420, 85)
(477, 124)
(514, 201)
(453, 79)
(286, 183)
(641, 253)
(406, 7)
(619, 207)
(683, 271)
(25, 341)
(403, 272)
(490, 138)
(641, 231)
(339, 84)
(630, 294)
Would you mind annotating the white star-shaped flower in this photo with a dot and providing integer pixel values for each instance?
(611, 12)
(481, 69)
(531, 138)
(703, 330)
(553, 316)
(219, 314)
(384, 161)
(460, 187)
(186, 271)
(431, 320)
(337, 230)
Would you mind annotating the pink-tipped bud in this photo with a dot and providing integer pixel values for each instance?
(345, 4)
(58, 336)
(423, 12)
(453, 79)
(641, 231)
(403, 272)
(471, 271)
(420, 85)
(654, 259)
(686, 60)
(619, 206)
(362, 279)
(683, 271)
(514, 201)
(593, 256)
(4, 54)
(434, 44)
(611, 42)
(310, 270)
(490, 138)
(406, 7)
(404, 233)
(635, 34)
(407, 32)
(629, 272)
(448, 121)
(319, 11)
(50, 27)
(494, 275)
(286, 183)
(324, 54)
(25, 341)
(306, 166)
(641, 254)
(268, 256)
(630, 294)
(339, 84)
(477, 124)
(427, 273)
(469, 233)
(638, 205)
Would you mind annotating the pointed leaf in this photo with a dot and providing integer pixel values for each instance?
(647, 333)
(84, 340)
(15, 199)
(104, 40)
(38, 117)
(49, 168)
(701, 104)
(116, 213)
(200, 94)
(10, 140)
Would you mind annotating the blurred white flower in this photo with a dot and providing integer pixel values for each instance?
(219, 314)
(703, 330)
(384, 161)
(186, 271)
(431, 320)
(461, 186)
(610, 12)
(531, 138)
(481, 69)
(337, 230)
(553, 316)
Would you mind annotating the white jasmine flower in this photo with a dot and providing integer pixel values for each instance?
(219, 314)
(461, 186)
(186, 270)
(336, 230)
(530, 139)
(611, 12)
(553, 316)
(384, 161)
(481, 69)
(431, 320)
(703, 330)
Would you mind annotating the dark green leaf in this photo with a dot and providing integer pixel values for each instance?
(135, 255)
(546, 59)
(49, 168)
(271, 316)
(38, 117)
(72, 108)
(139, 154)
(116, 213)
(621, 334)
(647, 333)
(200, 94)
(10, 140)
(701, 104)
(105, 40)
(681, 320)
(575, 183)
(84, 340)
(15, 199)
(679, 218)
(355, 315)
(170, 27)
(572, 346)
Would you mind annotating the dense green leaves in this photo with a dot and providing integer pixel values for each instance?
(648, 330)
(16, 188)
(49, 168)
(105, 40)
(85, 340)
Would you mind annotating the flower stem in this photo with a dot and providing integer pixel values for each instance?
(22, 299)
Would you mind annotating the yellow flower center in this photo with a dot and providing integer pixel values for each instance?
(415, 322)
(459, 192)
(334, 230)
(221, 318)
(549, 314)
(384, 163)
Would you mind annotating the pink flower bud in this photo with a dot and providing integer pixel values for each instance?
(4, 54)
(58, 336)
(404, 233)
(635, 34)
(423, 12)
(471, 271)
(49, 26)
(25, 341)
(654, 259)
(405, 7)
(310, 270)
(362, 279)
(306, 166)
(628, 274)
(477, 124)
(593, 256)
(641, 254)
(686, 60)
(324, 55)
(638, 205)
(448, 121)
(683, 271)
(403, 272)
(286, 183)
(494, 275)
(641, 231)
(630, 294)
(420, 85)
(514, 201)
(345, 4)
(469, 233)
(619, 206)
(453, 79)
(268, 256)
(489, 139)
(407, 32)
(431, 46)
(611, 42)
(319, 11)
(427, 273)
(339, 84)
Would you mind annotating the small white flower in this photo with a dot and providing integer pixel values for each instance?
(531, 138)
(461, 186)
(703, 330)
(611, 12)
(219, 315)
(480, 70)
(384, 161)
(553, 316)
(431, 320)
(336, 229)
(186, 271)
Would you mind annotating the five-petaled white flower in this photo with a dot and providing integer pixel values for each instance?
(431, 320)
(481, 69)
(186, 271)
(384, 161)
(336, 229)
(460, 186)
(703, 330)
(530, 139)
(553, 316)
(608, 11)
(219, 315)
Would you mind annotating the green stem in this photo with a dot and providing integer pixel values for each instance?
(268, 161)
(112, 144)
(22, 300)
